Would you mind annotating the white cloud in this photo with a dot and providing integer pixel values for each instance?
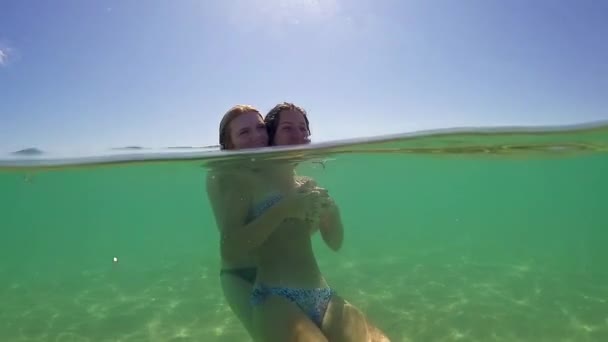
(8, 54)
(3, 56)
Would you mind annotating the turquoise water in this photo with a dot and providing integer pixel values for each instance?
(465, 236)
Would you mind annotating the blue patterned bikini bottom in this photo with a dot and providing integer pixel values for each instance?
(313, 302)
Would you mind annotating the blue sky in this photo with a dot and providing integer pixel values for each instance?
(90, 75)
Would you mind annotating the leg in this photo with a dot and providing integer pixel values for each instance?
(345, 322)
(376, 334)
(276, 319)
(237, 293)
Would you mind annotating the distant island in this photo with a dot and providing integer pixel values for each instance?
(128, 148)
(193, 147)
(32, 151)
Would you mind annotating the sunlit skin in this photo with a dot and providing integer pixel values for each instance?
(247, 131)
(283, 230)
(292, 129)
(287, 259)
(232, 192)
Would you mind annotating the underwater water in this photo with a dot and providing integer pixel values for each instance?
(462, 236)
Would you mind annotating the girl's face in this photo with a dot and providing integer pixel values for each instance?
(292, 129)
(247, 131)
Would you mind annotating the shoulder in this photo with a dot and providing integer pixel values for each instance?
(226, 176)
(228, 183)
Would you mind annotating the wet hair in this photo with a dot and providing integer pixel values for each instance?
(273, 117)
(225, 140)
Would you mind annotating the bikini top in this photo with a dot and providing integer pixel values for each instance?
(263, 205)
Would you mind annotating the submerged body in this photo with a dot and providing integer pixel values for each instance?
(266, 217)
(291, 299)
(287, 247)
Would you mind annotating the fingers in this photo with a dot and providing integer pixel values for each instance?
(314, 199)
(309, 183)
(320, 191)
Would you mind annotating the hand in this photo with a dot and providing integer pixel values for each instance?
(326, 203)
(306, 202)
(309, 184)
(305, 183)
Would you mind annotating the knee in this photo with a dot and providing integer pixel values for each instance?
(353, 327)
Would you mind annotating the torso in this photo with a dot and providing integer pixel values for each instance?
(286, 258)
(263, 194)
(243, 179)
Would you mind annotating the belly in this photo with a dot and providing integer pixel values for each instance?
(287, 258)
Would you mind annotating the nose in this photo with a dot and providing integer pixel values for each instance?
(259, 135)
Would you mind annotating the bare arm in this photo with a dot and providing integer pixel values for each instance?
(330, 225)
(230, 199)
(329, 219)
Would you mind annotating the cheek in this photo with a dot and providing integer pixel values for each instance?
(279, 137)
(237, 140)
(264, 133)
